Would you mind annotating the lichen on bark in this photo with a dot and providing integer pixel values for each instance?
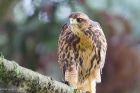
(29, 81)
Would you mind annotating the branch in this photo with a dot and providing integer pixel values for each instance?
(29, 81)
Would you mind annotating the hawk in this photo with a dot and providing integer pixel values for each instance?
(81, 52)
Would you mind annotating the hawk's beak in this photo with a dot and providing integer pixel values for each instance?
(71, 21)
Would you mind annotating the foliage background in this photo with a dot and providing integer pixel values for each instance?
(29, 31)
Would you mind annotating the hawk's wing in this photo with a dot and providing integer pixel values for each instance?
(65, 34)
(101, 47)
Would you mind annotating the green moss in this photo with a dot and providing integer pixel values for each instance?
(4, 76)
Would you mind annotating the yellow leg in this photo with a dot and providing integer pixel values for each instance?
(75, 85)
(92, 86)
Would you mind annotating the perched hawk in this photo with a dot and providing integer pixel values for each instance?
(81, 52)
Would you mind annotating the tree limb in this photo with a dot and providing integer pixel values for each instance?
(29, 81)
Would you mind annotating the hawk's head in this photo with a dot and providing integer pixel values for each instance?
(78, 21)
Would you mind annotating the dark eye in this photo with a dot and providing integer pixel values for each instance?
(79, 20)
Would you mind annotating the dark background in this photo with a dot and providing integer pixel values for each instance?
(29, 31)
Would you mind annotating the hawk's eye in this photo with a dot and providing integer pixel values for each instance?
(79, 20)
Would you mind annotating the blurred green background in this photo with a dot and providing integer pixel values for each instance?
(29, 31)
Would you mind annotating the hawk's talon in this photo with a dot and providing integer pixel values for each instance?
(66, 82)
(87, 92)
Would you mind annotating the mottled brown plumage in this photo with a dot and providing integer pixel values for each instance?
(81, 52)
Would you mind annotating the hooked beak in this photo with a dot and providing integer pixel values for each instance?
(70, 21)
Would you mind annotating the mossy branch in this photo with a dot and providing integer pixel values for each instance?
(29, 81)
